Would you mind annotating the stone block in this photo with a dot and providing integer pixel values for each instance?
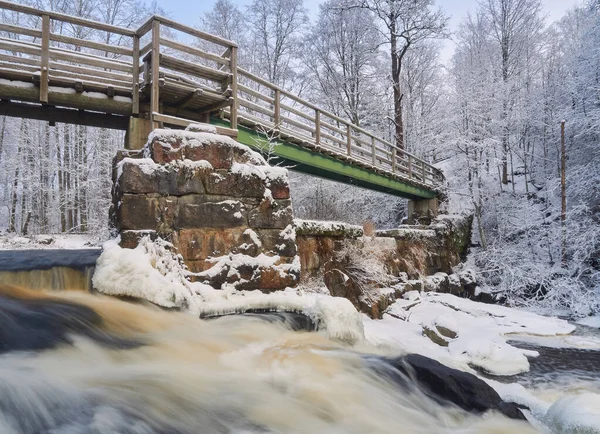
(146, 212)
(199, 244)
(131, 239)
(274, 214)
(166, 149)
(280, 188)
(235, 184)
(200, 211)
(273, 240)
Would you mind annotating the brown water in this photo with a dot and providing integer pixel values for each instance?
(185, 375)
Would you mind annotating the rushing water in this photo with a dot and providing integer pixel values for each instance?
(137, 369)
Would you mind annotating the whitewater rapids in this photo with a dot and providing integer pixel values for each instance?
(144, 370)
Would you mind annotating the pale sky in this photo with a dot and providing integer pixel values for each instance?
(189, 12)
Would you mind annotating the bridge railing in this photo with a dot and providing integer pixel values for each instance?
(55, 49)
(264, 105)
(149, 72)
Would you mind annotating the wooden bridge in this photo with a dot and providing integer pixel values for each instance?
(62, 68)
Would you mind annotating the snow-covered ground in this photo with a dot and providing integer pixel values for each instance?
(49, 241)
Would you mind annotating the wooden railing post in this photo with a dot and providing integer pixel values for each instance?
(136, 76)
(45, 59)
(349, 139)
(277, 109)
(234, 85)
(410, 165)
(155, 71)
(318, 127)
(373, 150)
(394, 160)
(424, 173)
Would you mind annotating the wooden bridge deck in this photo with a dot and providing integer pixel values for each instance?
(62, 68)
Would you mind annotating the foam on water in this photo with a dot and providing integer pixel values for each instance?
(226, 375)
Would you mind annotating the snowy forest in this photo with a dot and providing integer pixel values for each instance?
(490, 118)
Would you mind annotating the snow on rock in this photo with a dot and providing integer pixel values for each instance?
(327, 228)
(579, 414)
(149, 272)
(152, 272)
(48, 241)
(477, 331)
(334, 315)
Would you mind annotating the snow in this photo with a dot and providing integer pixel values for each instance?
(590, 321)
(152, 272)
(254, 237)
(317, 227)
(480, 329)
(49, 241)
(16, 83)
(579, 414)
(147, 272)
(199, 139)
(149, 166)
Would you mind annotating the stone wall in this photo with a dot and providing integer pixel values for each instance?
(224, 209)
(417, 251)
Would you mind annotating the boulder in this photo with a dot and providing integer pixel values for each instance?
(274, 214)
(446, 385)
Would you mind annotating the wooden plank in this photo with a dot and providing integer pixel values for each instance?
(216, 106)
(17, 61)
(349, 139)
(124, 79)
(193, 69)
(20, 30)
(66, 18)
(182, 122)
(297, 112)
(64, 115)
(194, 51)
(195, 32)
(154, 71)
(19, 47)
(135, 81)
(90, 59)
(91, 44)
(45, 66)
(253, 106)
(98, 84)
(373, 150)
(256, 94)
(234, 86)
(317, 127)
(189, 99)
(277, 108)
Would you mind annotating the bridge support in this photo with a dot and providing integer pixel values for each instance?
(137, 133)
(422, 211)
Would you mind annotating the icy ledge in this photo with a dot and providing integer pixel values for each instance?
(152, 272)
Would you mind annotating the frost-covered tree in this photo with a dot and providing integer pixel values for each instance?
(276, 28)
(404, 23)
(343, 59)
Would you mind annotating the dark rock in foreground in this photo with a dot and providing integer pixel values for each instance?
(444, 385)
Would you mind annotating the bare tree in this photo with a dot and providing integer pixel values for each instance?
(224, 20)
(276, 27)
(405, 23)
(343, 58)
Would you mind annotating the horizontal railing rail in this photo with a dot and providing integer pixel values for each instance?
(169, 80)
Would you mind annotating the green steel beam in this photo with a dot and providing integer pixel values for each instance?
(304, 160)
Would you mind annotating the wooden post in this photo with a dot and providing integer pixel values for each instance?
(563, 192)
(318, 127)
(135, 91)
(349, 138)
(277, 109)
(45, 58)
(233, 121)
(394, 160)
(424, 173)
(410, 164)
(155, 71)
(373, 150)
